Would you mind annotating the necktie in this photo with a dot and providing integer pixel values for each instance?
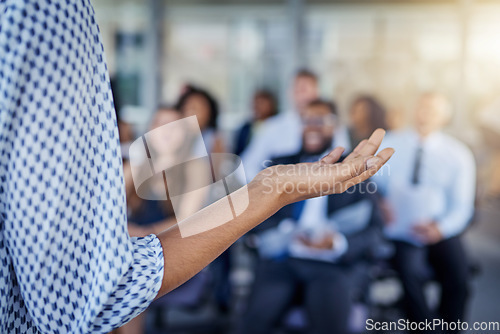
(416, 169)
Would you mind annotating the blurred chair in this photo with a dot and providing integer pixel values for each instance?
(295, 320)
(390, 306)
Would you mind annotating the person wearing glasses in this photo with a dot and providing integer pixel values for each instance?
(312, 247)
(281, 135)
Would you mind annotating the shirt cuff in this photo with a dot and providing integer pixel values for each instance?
(137, 288)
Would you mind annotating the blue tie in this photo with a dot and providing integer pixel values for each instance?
(416, 169)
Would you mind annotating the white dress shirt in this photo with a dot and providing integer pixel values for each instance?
(446, 189)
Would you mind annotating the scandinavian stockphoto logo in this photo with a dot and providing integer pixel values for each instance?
(171, 162)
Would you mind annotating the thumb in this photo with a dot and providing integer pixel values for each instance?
(359, 169)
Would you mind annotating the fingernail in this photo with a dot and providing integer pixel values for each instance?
(371, 163)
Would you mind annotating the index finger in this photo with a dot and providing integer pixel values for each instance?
(368, 147)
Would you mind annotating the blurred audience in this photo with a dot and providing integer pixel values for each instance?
(200, 103)
(365, 115)
(264, 106)
(312, 246)
(311, 253)
(281, 135)
(429, 189)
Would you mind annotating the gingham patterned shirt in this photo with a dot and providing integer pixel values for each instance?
(67, 263)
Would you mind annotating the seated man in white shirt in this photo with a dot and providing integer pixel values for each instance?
(313, 245)
(430, 201)
(281, 135)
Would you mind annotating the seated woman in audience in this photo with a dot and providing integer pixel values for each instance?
(365, 115)
(200, 103)
(145, 216)
(264, 106)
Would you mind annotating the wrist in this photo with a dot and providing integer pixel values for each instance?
(266, 186)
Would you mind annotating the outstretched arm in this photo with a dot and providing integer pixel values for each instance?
(270, 190)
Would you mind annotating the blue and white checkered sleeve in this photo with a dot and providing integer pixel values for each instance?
(67, 262)
(138, 287)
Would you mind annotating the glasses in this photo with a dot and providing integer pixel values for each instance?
(329, 120)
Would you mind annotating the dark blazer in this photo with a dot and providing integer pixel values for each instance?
(243, 137)
(361, 243)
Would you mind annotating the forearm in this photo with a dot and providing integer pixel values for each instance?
(270, 190)
(186, 256)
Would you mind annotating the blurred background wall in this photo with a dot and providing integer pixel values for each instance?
(394, 49)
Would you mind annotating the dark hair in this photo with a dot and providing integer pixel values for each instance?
(305, 73)
(376, 111)
(324, 103)
(212, 103)
(268, 95)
